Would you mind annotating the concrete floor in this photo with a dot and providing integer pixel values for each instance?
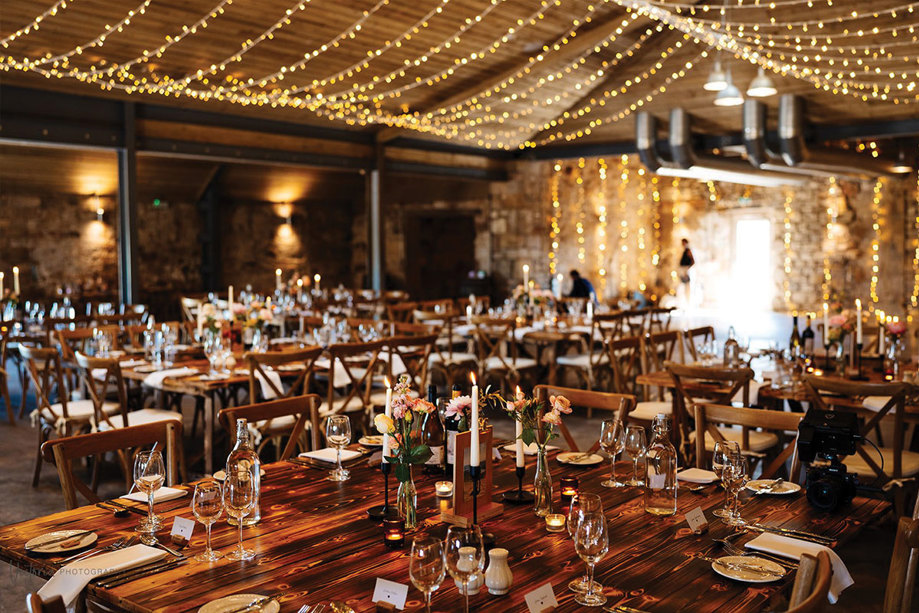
(867, 558)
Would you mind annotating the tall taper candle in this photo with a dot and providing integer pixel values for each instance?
(474, 424)
(1, 286)
(230, 300)
(388, 411)
(277, 278)
(317, 278)
(16, 280)
(858, 321)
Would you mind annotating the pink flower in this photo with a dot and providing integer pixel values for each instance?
(896, 328)
(238, 308)
(422, 406)
(265, 315)
(458, 406)
(560, 404)
(399, 407)
(838, 320)
(552, 417)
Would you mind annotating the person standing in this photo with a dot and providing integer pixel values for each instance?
(580, 287)
(687, 261)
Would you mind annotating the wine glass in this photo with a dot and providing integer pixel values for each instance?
(426, 567)
(239, 500)
(591, 541)
(735, 477)
(612, 440)
(207, 505)
(581, 504)
(338, 433)
(723, 451)
(464, 556)
(149, 474)
(635, 444)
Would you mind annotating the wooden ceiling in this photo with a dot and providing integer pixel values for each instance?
(536, 87)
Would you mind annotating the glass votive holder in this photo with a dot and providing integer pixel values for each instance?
(555, 522)
(443, 489)
(394, 533)
(569, 489)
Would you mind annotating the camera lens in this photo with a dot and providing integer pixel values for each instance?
(824, 494)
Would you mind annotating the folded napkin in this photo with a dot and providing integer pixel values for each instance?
(70, 580)
(329, 455)
(271, 375)
(163, 494)
(875, 403)
(98, 373)
(156, 379)
(793, 548)
(530, 449)
(132, 362)
(697, 475)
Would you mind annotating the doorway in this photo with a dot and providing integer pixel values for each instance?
(439, 253)
(752, 271)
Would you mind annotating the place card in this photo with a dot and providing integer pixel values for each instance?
(182, 529)
(541, 599)
(391, 592)
(696, 520)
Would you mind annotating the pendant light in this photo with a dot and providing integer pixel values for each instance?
(717, 80)
(730, 95)
(761, 85)
(902, 166)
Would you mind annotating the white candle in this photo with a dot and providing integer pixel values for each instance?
(526, 275)
(200, 319)
(826, 324)
(16, 280)
(882, 332)
(277, 278)
(590, 308)
(469, 312)
(388, 411)
(559, 278)
(518, 443)
(1, 286)
(230, 300)
(474, 425)
(858, 321)
(317, 277)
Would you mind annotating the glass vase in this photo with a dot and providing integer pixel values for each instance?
(839, 363)
(542, 485)
(407, 501)
(894, 358)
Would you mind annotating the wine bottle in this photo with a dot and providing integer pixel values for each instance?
(432, 432)
(451, 427)
(244, 461)
(794, 343)
(807, 339)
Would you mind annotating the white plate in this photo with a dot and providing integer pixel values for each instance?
(146, 369)
(783, 489)
(374, 440)
(238, 601)
(748, 576)
(527, 449)
(221, 475)
(62, 546)
(578, 458)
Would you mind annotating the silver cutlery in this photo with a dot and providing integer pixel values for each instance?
(61, 539)
(621, 608)
(255, 605)
(799, 534)
(733, 549)
(168, 549)
(121, 543)
(121, 507)
(140, 572)
(770, 488)
(746, 567)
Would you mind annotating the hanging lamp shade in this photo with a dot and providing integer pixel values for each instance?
(730, 95)
(761, 85)
(717, 80)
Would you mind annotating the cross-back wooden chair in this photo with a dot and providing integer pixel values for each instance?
(443, 305)
(592, 366)
(124, 441)
(412, 354)
(812, 583)
(352, 367)
(133, 336)
(659, 319)
(445, 360)
(65, 417)
(409, 328)
(620, 405)
(635, 321)
(662, 347)
(265, 386)
(482, 301)
(828, 393)
(10, 356)
(695, 337)
(400, 311)
(190, 308)
(298, 414)
(711, 419)
(625, 358)
(904, 563)
(497, 351)
(34, 604)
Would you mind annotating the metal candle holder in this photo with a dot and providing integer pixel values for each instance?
(518, 496)
(475, 472)
(857, 358)
(384, 511)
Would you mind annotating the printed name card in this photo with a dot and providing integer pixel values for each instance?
(391, 592)
(182, 529)
(541, 599)
(696, 520)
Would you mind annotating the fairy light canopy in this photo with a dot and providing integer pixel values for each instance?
(488, 73)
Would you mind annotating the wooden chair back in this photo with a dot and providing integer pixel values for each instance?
(494, 338)
(625, 358)
(664, 347)
(812, 583)
(302, 358)
(358, 378)
(901, 577)
(659, 319)
(401, 311)
(63, 451)
(826, 393)
(608, 326)
(694, 337)
(408, 328)
(71, 341)
(709, 416)
(112, 382)
(304, 408)
(415, 353)
(34, 604)
(619, 404)
(480, 300)
(47, 375)
(190, 308)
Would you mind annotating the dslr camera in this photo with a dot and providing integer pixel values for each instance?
(823, 437)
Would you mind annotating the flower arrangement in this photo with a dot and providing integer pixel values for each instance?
(538, 296)
(404, 429)
(257, 315)
(896, 329)
(527, 412)
(841, 324)
(213, 320)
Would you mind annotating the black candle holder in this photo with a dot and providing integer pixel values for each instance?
(857, 360)
(826, 358)
(518, 496)
(475, 472)
(384, 511)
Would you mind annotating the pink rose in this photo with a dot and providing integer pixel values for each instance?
(896, 328)
(560, 404)
(422, 406)
(552, 417)
(458, 406)
(837, 320)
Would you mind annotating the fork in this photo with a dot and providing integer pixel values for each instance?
(119, 544)
(733, 549)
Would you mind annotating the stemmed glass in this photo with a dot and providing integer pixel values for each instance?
(581, 504)
(149, 474)
(735, 477)
(338, 433)
(591, 541)
(612, 440)
(239, 500)
(723, 452)
(212, 350)
(426, 567)
(636, 445)
(464, 556)
(207, 505)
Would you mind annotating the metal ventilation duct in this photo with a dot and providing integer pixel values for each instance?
(796, 154)
(758, 151)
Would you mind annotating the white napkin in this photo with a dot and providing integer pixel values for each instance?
(793, 548)
(163, 494)
(875, 403)
(530, 449)
(697, 475)
(132, 362)
(70, 580)
(156, 379)
(398, 366)
(270, 375)
(98, 373)
(754, 392)
(329, 455)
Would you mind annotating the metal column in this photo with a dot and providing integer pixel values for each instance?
(127, 210)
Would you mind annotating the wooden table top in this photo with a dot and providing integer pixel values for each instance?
(315, 544)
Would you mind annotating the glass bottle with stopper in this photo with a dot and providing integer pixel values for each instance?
(731, 349)
(244, 462)
(661, 461)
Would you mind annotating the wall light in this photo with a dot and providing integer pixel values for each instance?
(100, 214)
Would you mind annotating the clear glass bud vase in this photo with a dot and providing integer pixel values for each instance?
(542, 485)
(407, 501)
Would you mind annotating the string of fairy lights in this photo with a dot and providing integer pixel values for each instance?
(579, 212)
(601, 225)
(876, 214)
(786, 245)
(914, 297)
(826, 282)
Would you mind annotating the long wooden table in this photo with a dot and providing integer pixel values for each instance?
(315, 544)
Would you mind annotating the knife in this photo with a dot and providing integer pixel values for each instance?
(140, 572)
(753, 568)
(254, 605)
(807, 536)
(771, 487)
(61, 539)
(124, 507)
(168, 550)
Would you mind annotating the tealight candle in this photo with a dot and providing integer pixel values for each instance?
(444, 489)
(555, 522)
(569, 489)
(394, 533)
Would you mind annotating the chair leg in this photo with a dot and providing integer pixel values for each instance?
(42, 437)
(24, 387)
(5, 392)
